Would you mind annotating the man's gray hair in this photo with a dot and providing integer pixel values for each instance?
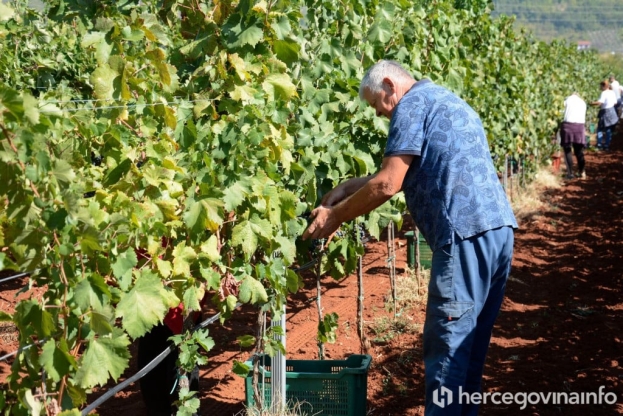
(373, 79)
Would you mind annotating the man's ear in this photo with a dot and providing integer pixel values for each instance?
(388, 83)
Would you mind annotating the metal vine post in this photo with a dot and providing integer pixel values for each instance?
(391, 261)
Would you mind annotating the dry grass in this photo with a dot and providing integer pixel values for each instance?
(529, 200)
(8, 333)
(292, 410)
(411, 291)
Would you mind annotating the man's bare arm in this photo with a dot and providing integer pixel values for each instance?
(374, 191)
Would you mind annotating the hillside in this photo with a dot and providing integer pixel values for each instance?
(598, 21)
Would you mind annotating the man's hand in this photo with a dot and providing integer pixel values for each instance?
(323, 225)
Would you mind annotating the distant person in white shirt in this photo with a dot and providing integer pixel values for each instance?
(616, 87)
(607, 116)
(572, 134)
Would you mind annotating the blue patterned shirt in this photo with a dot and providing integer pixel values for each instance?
(451, 185)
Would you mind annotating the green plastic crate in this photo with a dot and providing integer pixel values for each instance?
(318, 387)
(426, 254)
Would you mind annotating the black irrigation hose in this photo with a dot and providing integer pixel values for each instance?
(9, 355)
(17, 276)
(143, 371)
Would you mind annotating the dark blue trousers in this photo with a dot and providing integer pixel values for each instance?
(468, 278)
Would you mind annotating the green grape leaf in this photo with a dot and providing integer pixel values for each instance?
(56, 359)
(182, 258)
(143, 306)
(90, 240)
(281, 27)
(243, 235)
(193, 296)
(454, 80)
(243, 93)
(235, 194)
(102, 322)
(32, 315)
(240, 31)
(31, 111)
(204, 214)
(288, 249)
(34, 405)
(212, 278)
(12, 101)
(210, 249)
(92, 292)
(6, 263)
(123, 266)
(251, 290)
(131, 34)
(201, 337)
(246, 341)
(103, 82)
(231, 302)
(63, 172)
(115, 174)
(287, 50)
(381, 31)
(164, 267)
(279, 87)
(293, 281)
(241, 369)
(104, 357)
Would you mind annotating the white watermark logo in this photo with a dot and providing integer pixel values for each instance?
(443, 397)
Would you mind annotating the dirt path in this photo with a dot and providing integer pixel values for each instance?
(559, 330)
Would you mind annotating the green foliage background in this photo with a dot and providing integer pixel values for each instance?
(158, 152)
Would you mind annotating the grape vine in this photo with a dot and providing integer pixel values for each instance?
(155, 153)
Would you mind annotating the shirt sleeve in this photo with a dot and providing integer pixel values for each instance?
(406, 131)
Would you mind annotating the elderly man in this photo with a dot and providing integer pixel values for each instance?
(437, 153)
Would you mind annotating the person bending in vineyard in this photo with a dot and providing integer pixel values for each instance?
(437, 153)
(607, 117)
(573, 135)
